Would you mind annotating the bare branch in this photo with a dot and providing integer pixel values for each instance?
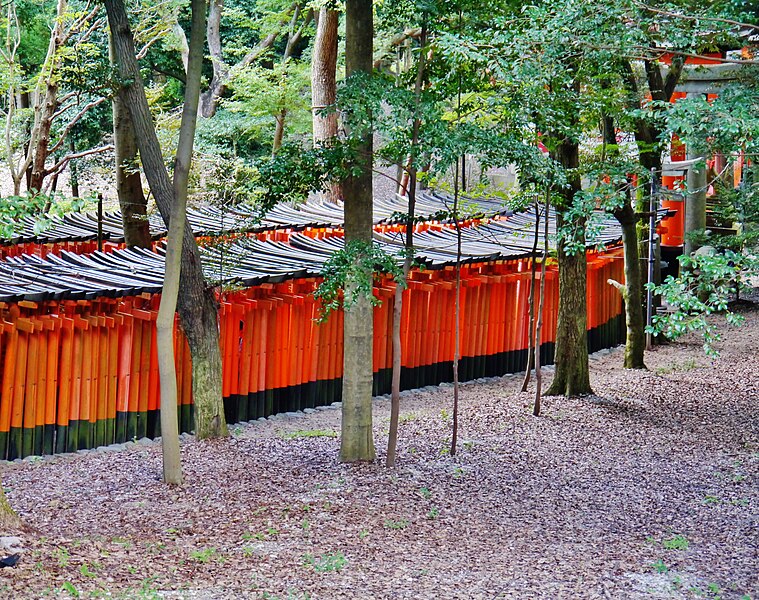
(668, 13)
(74, 121)
(149, 44)
(62, 110)
(61, 164)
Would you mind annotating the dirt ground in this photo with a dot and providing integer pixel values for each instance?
(646, 490)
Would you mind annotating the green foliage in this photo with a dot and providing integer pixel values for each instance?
(726, 124)
(203, 556)
(677, 542)
(396, 524)
(356, 265)
(15, 208)
(295, 171)
(660, 567)
(705, 286)
(260, 91)
(326, 563)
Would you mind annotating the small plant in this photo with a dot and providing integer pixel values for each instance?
(332, 561)
(426, 493)
(247, 536)
(434, 513)
(63, 556)
(458, 472)
(272, 531)
(407, 417)
(678, 542)
(709, 499)
(445, 415)
(204, 555)
(70, 588)
(85, 571)
(310, 433)
(660, 567)
(248, 551)
(399, 524)
(363, 534)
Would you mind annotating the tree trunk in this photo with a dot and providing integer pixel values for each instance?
(539, 324)
(532, 347)
(324, 86)
(279, 130)
(571, 357)
(357, 442)
(210, 98)
(632, 291)
(292, 40)
(73, 172)
(457, 302)
(172, 466)
(695, 203)
(197, 306)
(323, 77)
(132, 201)
(635, 342)
(49, 104)
(395, 405)
(572, 376)
(395, 386)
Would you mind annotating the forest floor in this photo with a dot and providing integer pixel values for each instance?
(646, 490)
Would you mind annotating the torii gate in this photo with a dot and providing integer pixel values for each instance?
(701, 77)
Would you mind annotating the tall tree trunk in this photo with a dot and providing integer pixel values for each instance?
(197, 306)
(457, 307)
(323, 76)
(210, 98)
(172, 466)
(635, 341)
(324, 85)
(572, 376)
(395, 402)
(357, 442)
(48, 106)
(132, 200)
(632, 291)
(539, 324)
(292, 40)
(531, 344)
(395, 385)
